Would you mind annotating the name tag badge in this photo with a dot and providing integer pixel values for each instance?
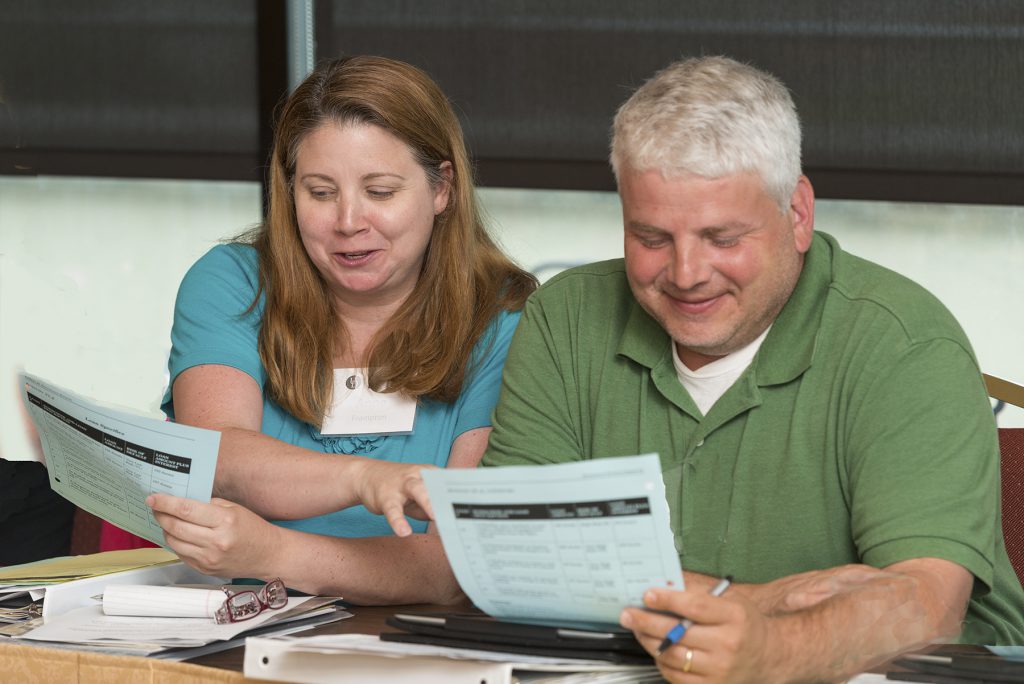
(358, 410)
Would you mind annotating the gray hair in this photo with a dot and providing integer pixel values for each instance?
(712, 117)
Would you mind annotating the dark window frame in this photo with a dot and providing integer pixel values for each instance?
(831, 180)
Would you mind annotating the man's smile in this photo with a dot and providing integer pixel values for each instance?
(694, 305)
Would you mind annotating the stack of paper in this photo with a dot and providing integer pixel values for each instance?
(22, 587)
(16, 608)
(72, 616)
(69, 568)
(69, 583)
(172, 637)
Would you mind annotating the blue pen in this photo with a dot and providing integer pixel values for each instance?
(677, 632)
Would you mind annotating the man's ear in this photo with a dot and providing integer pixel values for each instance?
(801, 213)
(444, 188)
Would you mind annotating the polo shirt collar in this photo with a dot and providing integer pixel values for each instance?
(646, 342)
(643, 339)
(789, 348)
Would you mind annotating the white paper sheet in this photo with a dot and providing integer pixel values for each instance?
(575, 542)
(89, 624)
(143, 600)
(107, 461)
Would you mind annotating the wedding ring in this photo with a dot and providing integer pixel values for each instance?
(688, 662)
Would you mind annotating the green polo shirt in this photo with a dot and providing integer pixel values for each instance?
(860, 433)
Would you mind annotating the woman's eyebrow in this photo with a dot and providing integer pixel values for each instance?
(319, 176)
(383, 174)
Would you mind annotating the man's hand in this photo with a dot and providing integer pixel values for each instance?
(220, 538)
(726, 643)
(393, 490)
(816, 626)
(806, 589)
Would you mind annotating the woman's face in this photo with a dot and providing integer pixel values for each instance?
(365, 211)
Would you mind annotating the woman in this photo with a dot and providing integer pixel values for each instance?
(373, 272)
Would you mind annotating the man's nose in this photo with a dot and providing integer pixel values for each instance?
(690, 265)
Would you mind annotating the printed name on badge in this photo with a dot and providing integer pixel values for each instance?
(358, 410)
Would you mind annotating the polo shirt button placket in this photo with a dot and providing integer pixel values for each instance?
(688, 509)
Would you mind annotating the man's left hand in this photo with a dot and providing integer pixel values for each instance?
(725, 643)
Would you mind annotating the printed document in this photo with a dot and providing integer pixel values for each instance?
(574, 542)
(107, 461)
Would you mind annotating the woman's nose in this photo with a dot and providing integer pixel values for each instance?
(351, 217)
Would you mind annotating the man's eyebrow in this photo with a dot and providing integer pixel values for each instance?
(730, 227)
(709, 231)
(640, 227)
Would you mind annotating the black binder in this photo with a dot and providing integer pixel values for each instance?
(958, 669)
(485, 633)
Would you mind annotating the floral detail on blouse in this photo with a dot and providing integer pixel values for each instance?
(361, 445)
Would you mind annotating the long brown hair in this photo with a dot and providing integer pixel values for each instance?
(425, 348)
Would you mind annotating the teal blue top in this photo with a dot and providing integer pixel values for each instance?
(211, 327)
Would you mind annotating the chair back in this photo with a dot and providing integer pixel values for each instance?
(1011, 459)
(1004, 390)
(1011, 453)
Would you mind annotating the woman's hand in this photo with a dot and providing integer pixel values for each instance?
(220, 538)
(393, 490)
(725, 644)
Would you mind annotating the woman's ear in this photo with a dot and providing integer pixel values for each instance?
(444, 188)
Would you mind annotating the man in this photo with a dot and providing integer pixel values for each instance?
(824, 431)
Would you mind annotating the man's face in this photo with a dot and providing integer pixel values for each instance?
(713, 261)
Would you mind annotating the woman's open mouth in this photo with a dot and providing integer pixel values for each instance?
(355, 258)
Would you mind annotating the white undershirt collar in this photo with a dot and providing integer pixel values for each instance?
(708, 383)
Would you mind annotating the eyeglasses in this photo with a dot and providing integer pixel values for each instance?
(243, 605)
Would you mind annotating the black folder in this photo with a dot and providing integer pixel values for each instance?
(958, 669)
(485, 633)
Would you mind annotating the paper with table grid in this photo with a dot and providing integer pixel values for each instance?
(566, 543)
(108, 461)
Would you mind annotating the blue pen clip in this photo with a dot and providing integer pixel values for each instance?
(674, 635)
(677, 632)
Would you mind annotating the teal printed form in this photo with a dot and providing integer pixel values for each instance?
(570, 543)
(107, 461)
